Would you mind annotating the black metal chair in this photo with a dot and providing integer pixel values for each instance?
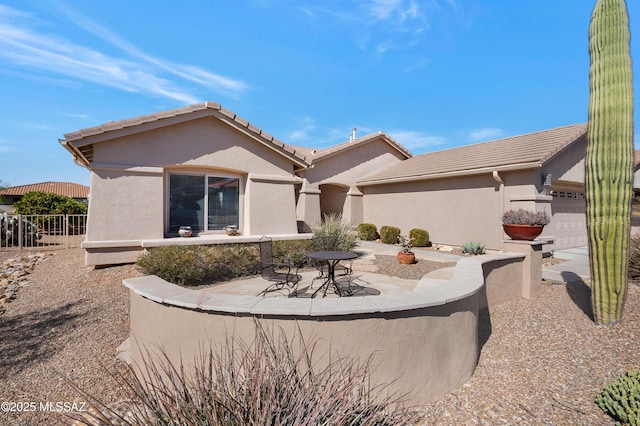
(280, 275)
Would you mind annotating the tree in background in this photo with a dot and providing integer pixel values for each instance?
(3, 185)
(48, 203)
(609, 158)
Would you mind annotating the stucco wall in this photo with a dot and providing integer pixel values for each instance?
(339, 173)
(349, 166)
(457, 209)
(411, 345)
(454, 210)
(424, 341)
(129, 183)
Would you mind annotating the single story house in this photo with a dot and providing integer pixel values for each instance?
(205, 167)
(68, 189)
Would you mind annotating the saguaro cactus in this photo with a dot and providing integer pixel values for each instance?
(609, 158)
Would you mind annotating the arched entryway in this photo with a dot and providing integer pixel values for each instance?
(332, 199)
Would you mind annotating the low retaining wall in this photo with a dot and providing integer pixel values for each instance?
(424, 342)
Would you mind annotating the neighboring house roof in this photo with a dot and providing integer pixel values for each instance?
(315, 155)
(68, 189)
(514, 153)
(80, 143)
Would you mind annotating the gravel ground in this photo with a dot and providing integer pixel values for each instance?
(66, 324)
(542, 360)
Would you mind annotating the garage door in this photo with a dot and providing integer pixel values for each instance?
(568, 222)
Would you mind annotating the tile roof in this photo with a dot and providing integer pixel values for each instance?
(518, 152)
(69, 189)
(328, 152)
(80, 143)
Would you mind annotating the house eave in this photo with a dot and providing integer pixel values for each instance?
(146, 123)
(453, 173)
(78, 157)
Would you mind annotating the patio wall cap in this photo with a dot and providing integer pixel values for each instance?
(467, 280)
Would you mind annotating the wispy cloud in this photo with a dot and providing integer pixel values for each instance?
(22, 45)
(483, 135)
(38, 126)
(6, 146)
(416, 141)
(303, 134)
(382, 25)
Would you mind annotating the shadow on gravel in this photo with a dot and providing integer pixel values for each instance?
(579, 292)
(33, 337)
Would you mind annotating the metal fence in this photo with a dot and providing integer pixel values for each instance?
(49, 231)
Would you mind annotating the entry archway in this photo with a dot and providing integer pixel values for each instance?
(332, 199)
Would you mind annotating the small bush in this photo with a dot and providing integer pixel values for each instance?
(634, 257)
(333, 234)
(389, 234)
(367, 232)
(292, 252)
(621, 399)
(190, 265)
(472, 247)
(265, 382)
(420, 237)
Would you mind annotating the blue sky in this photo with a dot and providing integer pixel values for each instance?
(433, 74)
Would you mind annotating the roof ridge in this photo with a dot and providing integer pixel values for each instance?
(505, 138)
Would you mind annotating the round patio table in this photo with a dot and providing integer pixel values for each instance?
(332, 258)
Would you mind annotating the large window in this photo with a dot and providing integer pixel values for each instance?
(204, 202)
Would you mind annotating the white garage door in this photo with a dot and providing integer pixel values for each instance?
(568, 222)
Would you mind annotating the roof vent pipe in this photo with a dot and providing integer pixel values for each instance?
(353, 134)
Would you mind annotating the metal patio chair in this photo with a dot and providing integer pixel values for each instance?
(280, 275)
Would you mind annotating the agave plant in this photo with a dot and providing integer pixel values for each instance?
(472, 247)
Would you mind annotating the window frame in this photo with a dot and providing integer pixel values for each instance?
(204, 175)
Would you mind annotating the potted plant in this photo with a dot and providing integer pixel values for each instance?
(406, 256)
(524, 224)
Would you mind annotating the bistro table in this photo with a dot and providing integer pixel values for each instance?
(332, 258)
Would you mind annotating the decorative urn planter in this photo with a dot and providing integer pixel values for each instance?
(522, 232)
(231, 230)
(185, 231)
(408, 258)
(523, 224)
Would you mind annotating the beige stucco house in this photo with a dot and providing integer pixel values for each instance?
(205, 167)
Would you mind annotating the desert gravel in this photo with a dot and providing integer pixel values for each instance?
(542, 360)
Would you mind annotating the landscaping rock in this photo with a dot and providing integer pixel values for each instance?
(14, 273)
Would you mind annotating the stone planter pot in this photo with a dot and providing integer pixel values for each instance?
(522, 232)
(231, 230)
(406, 258)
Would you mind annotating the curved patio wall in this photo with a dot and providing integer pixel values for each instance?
(424, 342)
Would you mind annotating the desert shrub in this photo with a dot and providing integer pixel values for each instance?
(367, 232)
(270, 381)
(232, 261)
(389, 234)
(472, 247)
(634, 257)
(176, 264)
(621, 399)
(190, 265)
(292, 252)
(420, 237)
(333, 234)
